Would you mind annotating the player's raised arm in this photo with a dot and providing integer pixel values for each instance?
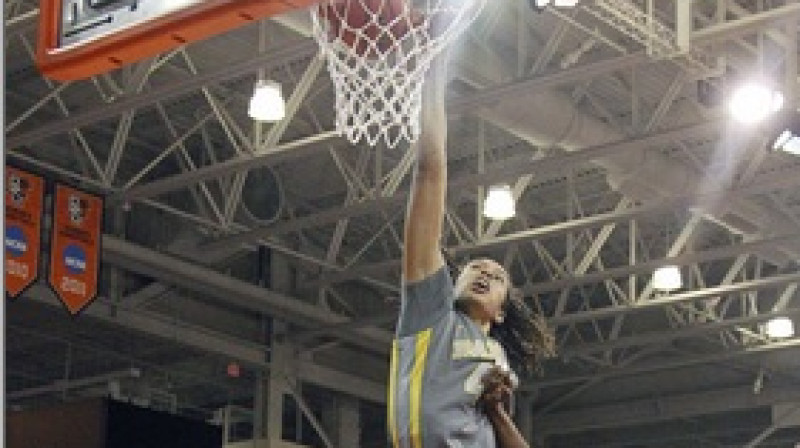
(422, 255)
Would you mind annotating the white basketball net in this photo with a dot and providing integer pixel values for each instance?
(377, 67)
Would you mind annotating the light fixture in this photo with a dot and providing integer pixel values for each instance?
(789, 138)
(667, 278)
(753, 102)
(267, 103)
(556, 3)
(780, 327)
(499, 203)
(788, 141)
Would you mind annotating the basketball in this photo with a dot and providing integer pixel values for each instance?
(369, 27)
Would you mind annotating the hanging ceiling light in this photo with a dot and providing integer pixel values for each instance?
(499, 203)
(788, 142)
(667, 278)
(557, 3)
(789, 138)
(780, 327)
(753, 102)
(267, 103)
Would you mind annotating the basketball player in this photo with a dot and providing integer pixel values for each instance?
(450, 380)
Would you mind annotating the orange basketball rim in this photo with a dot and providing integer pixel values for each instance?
(99, 54)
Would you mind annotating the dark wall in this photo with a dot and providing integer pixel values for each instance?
(101, 423)
(134, 427)
(70, 425)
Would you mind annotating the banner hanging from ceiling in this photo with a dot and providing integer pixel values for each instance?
(75, 246)
(24, 201)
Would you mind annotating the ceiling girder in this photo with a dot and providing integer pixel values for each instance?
(286, 53)
(660, 301)
(646, 267)
(201, 280)
(672, 364)
(247, 352)
(663, 408)
(552, 230)
(549, 165)
(660, 337)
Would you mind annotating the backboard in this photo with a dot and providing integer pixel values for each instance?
(81, 38)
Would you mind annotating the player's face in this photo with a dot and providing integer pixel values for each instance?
(486, 283)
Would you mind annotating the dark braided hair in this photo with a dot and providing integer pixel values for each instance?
(524, 335)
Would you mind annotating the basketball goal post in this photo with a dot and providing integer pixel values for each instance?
(377, 50)
(78, 39)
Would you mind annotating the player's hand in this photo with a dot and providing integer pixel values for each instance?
(497, 388)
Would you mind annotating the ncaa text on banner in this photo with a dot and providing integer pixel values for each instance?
(24, 199)
(75, 247)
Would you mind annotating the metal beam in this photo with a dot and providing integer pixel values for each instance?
(663, 409)
(491, 95)
(209, 341)
(61, 386)
(312, 418)
(556, 164)
(79, 138)
(549, 80)
(632, 341)
(705, 36)
(727, 430)
(667, 365)
(275, 133)
(206, 281)
(21, 23)
(750, 285)
(304, 337)
(578, 390)
(291, 51)
(768, 183)
(787, 413)
(660, 337)
(245, 161)
(746, 25)
(648, 266)
(173, 271)
(186, 163)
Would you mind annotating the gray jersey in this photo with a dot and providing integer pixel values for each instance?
(439, 356)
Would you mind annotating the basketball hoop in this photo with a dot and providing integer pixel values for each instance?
(378, 52)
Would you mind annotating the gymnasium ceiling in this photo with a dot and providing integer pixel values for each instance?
(614, 139)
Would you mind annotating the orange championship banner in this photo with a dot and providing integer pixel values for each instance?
(75, 247)
(24, 200)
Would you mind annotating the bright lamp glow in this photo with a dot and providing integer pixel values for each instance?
(787, 142)
(752, 103)
(780, 327)
(557, 3)
(499, 203)
(267, 103)
(667, 278)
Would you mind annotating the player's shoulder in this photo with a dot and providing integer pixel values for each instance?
(429, 281)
